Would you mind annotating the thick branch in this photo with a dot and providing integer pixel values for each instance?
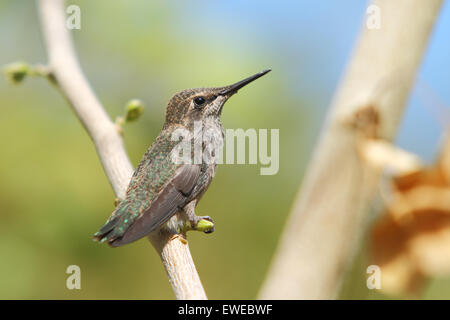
(64, 67)
(330, 211)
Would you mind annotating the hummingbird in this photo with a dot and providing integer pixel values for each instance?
(163, 193)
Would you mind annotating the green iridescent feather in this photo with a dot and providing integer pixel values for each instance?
(152, 173)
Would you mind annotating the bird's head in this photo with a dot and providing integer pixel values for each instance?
(192, 105)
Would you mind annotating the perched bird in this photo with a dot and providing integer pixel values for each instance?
(163, 192)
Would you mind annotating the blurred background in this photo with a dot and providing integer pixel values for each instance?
(54, 193)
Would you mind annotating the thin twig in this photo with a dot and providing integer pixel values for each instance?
(63, 65)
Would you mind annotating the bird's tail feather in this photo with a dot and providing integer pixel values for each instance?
(111, 223)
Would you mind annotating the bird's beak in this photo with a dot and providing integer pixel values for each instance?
(232, 89)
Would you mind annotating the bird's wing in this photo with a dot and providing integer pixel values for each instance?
(156, 192)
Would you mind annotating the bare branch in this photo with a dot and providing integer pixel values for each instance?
(329, 214)
(63, 64)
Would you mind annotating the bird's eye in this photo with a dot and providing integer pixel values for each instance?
(199, 101)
